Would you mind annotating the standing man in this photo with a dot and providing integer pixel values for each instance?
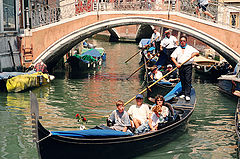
(155, 39)
(182, 53)
(170, 44)
(139, 112)
(203, 4)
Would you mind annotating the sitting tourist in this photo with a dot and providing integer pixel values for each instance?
(139, 112)
(172, 77)
(152, 124)
(155, 74)
(119, 118)
(167, 109)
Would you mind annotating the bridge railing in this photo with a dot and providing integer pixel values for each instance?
(47, 14)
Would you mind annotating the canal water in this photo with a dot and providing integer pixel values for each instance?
(210, 132)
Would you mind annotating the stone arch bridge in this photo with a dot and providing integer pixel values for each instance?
(52, 41)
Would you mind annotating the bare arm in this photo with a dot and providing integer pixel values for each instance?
(195, 54)
(124, 129)
(176, 63)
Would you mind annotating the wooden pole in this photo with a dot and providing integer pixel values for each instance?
(155, 83)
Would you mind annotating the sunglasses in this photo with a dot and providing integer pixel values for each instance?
(183, 41)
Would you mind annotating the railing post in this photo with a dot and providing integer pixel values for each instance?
(27, 18)
(168, 9)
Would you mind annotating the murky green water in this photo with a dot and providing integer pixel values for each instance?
(210, 132)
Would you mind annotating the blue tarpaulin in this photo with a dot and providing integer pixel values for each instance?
(151, 49)
(92, 52)
(92, 133)
(7, 75)
(174, 92)
(165, 83)
(144, 42)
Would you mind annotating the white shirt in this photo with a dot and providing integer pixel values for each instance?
(203, 2)
(156, 119)
(158, 75)
(165, 111)
(154, 36)
(139, 112)
(182, 56)
(169, 43)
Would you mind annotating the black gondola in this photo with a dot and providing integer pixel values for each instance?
(56, 146)
(159, 88)
(237, 127)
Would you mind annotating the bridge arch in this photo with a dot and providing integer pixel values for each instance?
(54, 52)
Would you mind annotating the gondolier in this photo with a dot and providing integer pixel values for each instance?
(180, 55)
(156, 40)
(170, 44)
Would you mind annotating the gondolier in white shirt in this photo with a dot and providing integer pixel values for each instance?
(181, 54)
(155, 39)
(170, 43)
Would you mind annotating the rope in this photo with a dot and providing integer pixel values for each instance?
(44, 137)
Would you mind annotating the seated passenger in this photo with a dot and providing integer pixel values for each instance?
(167, 109)
(154, 119)
(155, 74)
(120, 118)
(172, 77)
(139, 112)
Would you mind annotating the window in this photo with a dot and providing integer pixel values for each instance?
(234, 19)
(9, 15)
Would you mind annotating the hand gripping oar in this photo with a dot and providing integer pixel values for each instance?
(141, 66)
(155, 82)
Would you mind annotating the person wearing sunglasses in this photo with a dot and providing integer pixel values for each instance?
(182, 53)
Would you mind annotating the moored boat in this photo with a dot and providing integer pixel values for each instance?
(87, 60)
(229, 84)
(237, 127)
(144, 42)
(22, 81)
(209, 67)
(104, 143)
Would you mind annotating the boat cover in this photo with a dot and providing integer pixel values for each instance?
(99, 49)
(25, 81)
(174, 92)
(91, 52)
(165, 83)
(90, 133)
(144, 42)
(151, 49)
(88, 58)
(7, 75)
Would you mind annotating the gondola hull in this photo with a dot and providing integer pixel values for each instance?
(229, 84)
(78, 65)
(237, 128)
(56, 146)
(159, 89)
(65, 148)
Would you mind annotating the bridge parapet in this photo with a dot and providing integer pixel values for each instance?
(48, 14)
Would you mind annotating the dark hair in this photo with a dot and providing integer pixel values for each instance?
(119, 102)
(159, 97)
(183, 36)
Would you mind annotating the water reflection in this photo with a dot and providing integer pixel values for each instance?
(210, 132)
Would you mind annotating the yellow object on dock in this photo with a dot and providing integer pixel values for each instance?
(26, 81)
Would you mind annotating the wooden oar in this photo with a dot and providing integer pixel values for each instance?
(136, 53)
(132, 56)
(155, 82)
(141, 66)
